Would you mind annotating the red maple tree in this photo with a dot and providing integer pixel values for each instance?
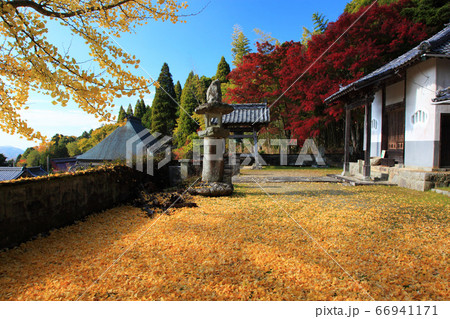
(295, 79)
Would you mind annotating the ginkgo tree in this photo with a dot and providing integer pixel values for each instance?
(30, 62)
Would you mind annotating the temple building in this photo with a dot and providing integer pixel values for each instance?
(407, 115)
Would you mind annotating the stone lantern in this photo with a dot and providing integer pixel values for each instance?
(214, 137)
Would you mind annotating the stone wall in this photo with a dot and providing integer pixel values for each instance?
(37, 205)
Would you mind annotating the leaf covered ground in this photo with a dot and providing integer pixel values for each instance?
(390, 244)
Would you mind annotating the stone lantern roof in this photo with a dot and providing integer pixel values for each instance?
(214, 108)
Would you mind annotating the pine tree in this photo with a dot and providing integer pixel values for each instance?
(223, 69)
(139, 109)
(185, 124)
(164, 106)
(122, 115)
(240, 45)
(130, 110)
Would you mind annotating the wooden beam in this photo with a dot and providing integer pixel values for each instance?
(368, 131)
(359, 102)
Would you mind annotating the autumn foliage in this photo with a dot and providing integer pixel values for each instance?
(391, 241)
(29, 62)
(296, 78)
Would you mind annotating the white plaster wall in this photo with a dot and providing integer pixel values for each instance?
(442, 82)
(375, 148)
(420, 137)
(395, 93)
(442, 73)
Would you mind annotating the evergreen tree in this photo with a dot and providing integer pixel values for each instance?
(435, 14)
(147, 118)
(185, 124)
(178, 91)
(130, 110)
(202, 86)
(121, 116)
(87, 135)
(223, 69)
(140, 109)
(320, 25)
(354, 5)
(240, 45)
(164, 106)
(2, 160)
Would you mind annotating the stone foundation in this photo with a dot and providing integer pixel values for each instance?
(412, 178)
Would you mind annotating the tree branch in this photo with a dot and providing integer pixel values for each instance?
(49, 13)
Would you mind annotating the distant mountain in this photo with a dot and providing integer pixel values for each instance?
(10, 152)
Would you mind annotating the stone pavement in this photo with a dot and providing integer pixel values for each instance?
(285, 176)
(300, 176)
(283, 179)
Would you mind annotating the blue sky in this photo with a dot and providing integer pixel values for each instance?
(195, 45)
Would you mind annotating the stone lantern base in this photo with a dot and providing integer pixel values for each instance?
(214, 189)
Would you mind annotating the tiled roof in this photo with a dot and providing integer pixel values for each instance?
(36, 171)
(113, 147)
(247, 113)
(10, 173)
(439, 44)
(442, 95)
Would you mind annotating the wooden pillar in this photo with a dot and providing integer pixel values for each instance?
(255, 149)
(368, 133)
(347, 141)
(384, 121)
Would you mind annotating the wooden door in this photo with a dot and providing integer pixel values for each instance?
(396, 131)
(444, 158)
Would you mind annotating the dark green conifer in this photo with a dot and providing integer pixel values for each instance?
(164, 106)
(130, 110)
(147, 118)
(139, 109)
(178, 91)
(189, 101)
(122, 115)
(223, 69)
